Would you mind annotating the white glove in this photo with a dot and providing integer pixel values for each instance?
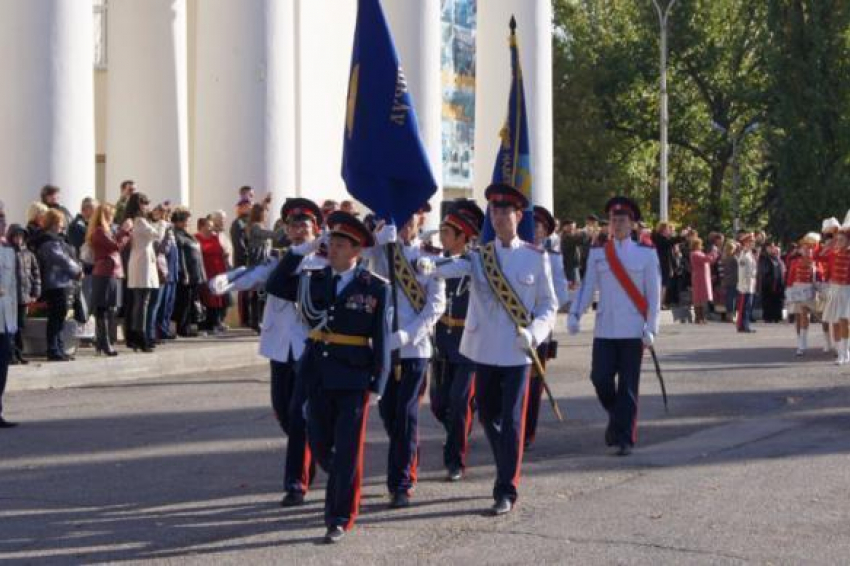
(426, 265)
(388, 234)
(573, 324)
(524, 339)
(310, 247)
(648, 338)
(399, 339)
(218, 284)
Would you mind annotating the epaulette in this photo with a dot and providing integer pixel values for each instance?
(366, 276)
(534, 247)
(431, 249)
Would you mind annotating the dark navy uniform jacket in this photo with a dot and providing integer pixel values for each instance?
(448, 337)
(361, 309)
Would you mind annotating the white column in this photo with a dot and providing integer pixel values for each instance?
(325, 38)
(417, 30)
(147, 109)
(493, 81)
(46, 101)
(244, 102)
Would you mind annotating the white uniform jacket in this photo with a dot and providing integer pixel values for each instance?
(490, 335)
(282, 331)
(419, 327)
(8, 291)
(616, 314)
(747, 273)
(559, 278)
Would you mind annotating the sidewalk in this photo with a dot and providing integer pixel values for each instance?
(235, 349)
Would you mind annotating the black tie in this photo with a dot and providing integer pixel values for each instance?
(334, 284)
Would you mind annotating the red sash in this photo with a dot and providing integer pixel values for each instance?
(625, 281)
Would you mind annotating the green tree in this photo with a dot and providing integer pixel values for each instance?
(809, 141)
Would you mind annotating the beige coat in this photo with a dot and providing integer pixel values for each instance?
(141, 268)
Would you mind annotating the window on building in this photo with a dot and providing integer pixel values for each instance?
(99, 7)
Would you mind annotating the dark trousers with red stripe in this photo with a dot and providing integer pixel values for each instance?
(399, 409)
(615, 373)
(745, 311)
(288, 402)
(336, 429)
(535, 396)
(502, 394)
(452, 395)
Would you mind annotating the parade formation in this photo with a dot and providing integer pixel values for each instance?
(470, 322)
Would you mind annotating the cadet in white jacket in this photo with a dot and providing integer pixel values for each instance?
(283, 334)
(621, 330)
(491, 338)
(747, 275)
(8, 318)
(399, 405)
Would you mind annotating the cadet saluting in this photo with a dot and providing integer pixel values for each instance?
(628, 277)
(512, 309)
(347, 356)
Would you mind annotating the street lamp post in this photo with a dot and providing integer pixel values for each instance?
(663, 15)
(736, 168)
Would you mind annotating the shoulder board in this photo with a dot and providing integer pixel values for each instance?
(430, 249)
(598, 245)
(533, 247)
(367, 276)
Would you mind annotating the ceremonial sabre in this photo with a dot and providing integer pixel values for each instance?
(660, 377)
(541, 371)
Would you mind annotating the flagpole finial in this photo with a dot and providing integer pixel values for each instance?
(513, 25)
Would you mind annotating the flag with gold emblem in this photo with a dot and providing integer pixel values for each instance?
(513, 160)
(384, 165)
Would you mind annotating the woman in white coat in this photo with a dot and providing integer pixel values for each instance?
(142, 276)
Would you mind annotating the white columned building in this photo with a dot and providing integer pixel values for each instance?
(147, 109)
(46, 102)
(417, 32)
(194, 98)
(244, 102)
(493, 82)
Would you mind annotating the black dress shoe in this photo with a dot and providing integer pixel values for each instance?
(454, 475)
(334, 534)
(6, 424)
(57, 358)
(292, 499)
(624, 450)
(400, 501)
(502, 506)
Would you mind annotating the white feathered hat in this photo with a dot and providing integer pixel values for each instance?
(811, 239)
(830, 224)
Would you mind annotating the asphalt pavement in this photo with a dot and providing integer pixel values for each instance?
(750, 466)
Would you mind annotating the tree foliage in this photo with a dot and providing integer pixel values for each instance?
(732, 64)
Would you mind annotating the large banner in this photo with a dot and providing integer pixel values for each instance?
(458, 77)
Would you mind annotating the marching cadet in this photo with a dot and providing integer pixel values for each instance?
(452, 387)
(419, 301)
(544, 227)
(512, 309)
(346, 358)
(628, 277)
(283, 334)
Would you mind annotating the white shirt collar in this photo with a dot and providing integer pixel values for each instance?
(623, 244)
(344, 276)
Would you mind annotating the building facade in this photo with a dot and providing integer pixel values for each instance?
(194, 98)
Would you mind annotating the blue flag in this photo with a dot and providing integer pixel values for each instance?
(384, 163)
(513, 162)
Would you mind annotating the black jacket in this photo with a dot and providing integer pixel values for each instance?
(191, 271)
